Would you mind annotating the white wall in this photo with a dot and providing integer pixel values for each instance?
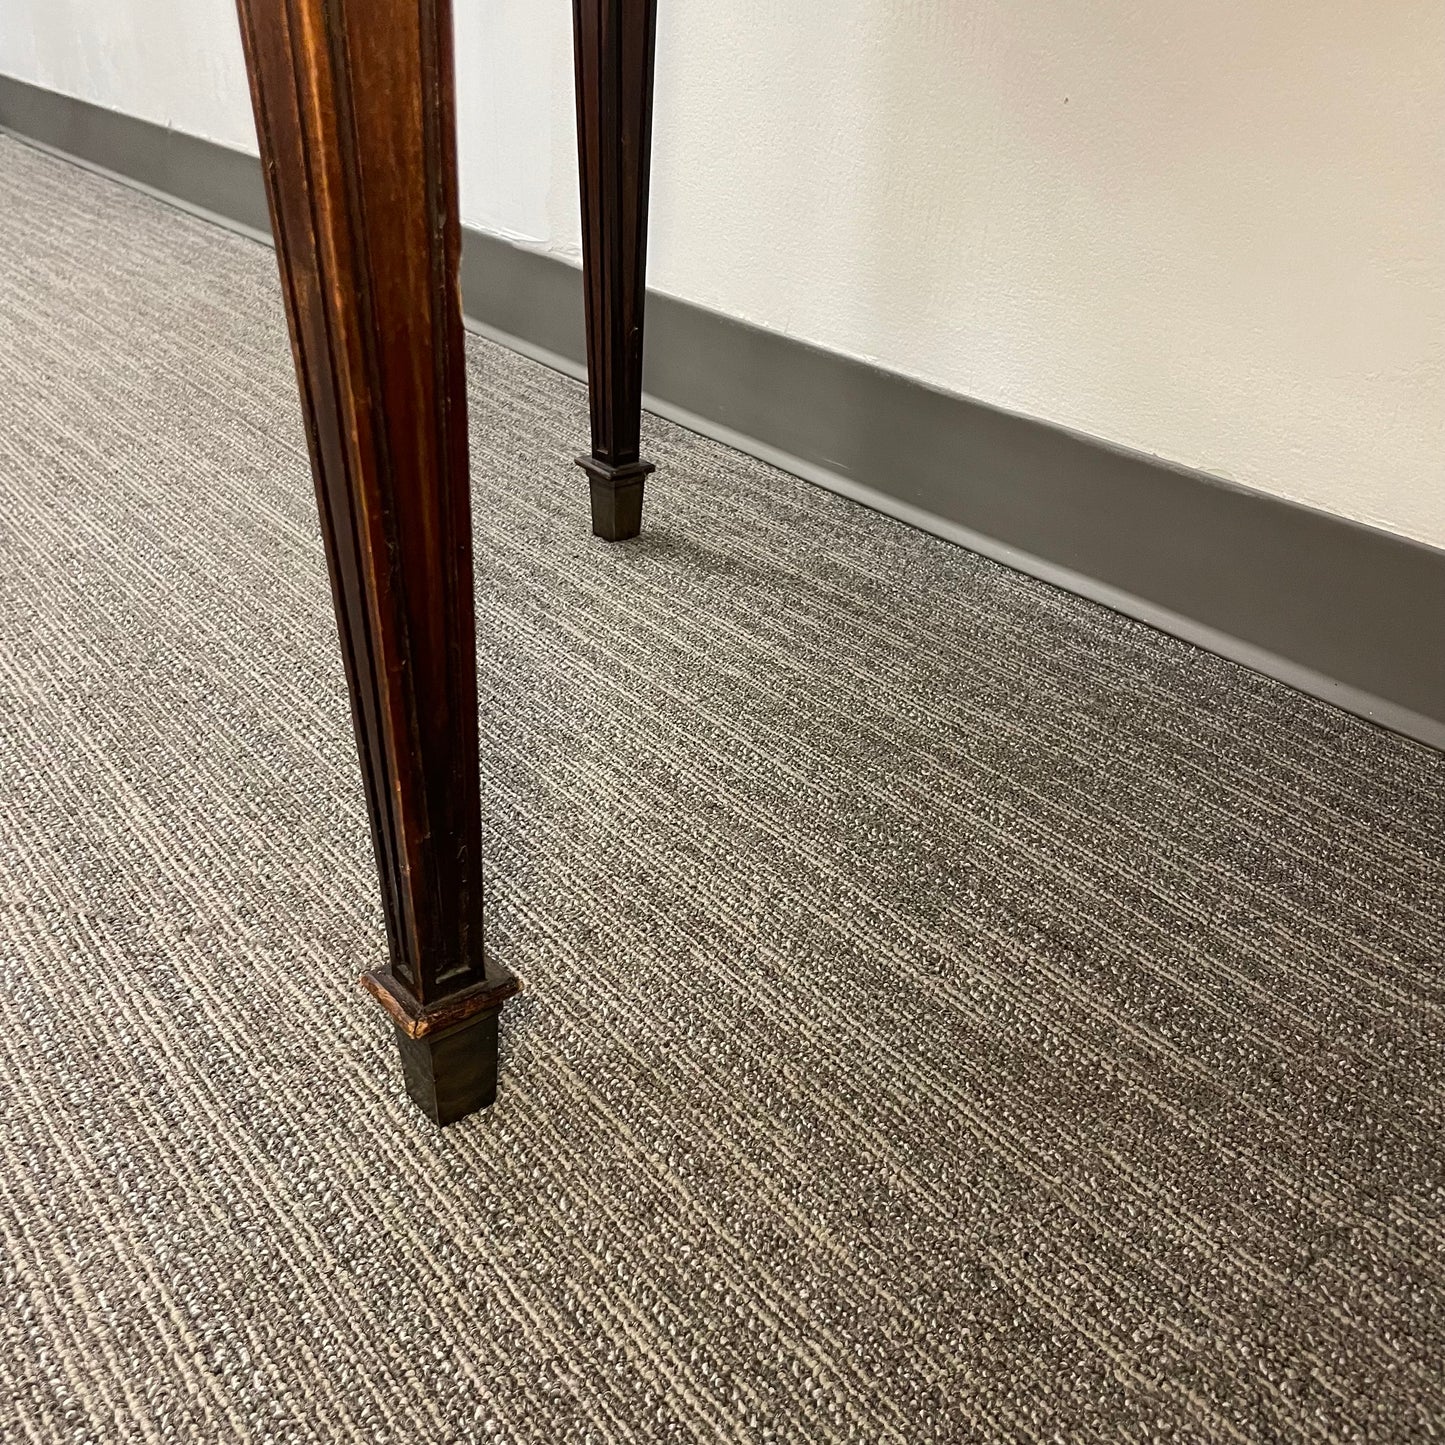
(177, 62)
(1213, 230)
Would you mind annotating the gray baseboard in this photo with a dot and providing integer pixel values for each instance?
(1345, 612)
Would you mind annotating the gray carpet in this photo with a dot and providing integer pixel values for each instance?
(953, 1012)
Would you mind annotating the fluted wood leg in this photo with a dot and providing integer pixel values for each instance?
(613, 49)
(354, 103)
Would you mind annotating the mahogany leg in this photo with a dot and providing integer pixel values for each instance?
(613, 50)
(354, 103)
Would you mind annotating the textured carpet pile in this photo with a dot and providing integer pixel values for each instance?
(953, 1012)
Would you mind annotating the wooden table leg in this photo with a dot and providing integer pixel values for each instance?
(354, 104)
(614, 42)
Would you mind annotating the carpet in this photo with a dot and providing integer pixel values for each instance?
(952, 1012)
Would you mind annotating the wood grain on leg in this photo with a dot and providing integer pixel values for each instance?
(355, 115)
(614, 45)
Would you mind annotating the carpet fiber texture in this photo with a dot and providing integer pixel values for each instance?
(953, 1012)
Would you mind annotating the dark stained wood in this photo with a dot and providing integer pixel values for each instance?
(446, 1012)
(354, 103)
(614, 46)
(453, 1072)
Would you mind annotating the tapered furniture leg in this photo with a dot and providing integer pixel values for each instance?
(614, 42)
(354, 111)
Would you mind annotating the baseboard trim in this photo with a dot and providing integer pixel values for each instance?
(1345, 612)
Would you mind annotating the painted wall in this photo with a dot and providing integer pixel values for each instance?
(1212, 230)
